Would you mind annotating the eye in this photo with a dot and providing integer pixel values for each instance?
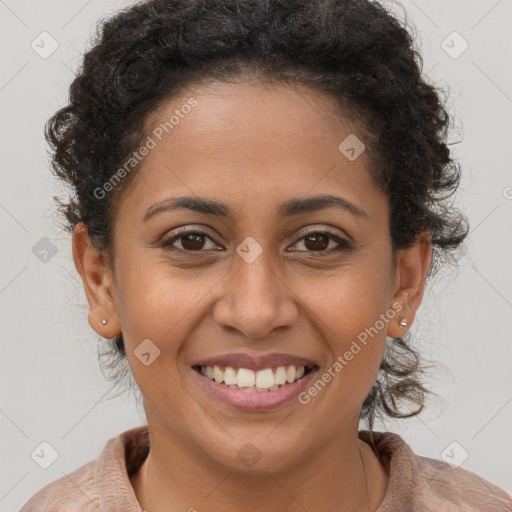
(192, 240)
(195, 240)
(319, 241)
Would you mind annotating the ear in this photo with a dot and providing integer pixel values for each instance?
(412, 266)
(94, 270)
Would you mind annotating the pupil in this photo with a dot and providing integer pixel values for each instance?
(321, 241)
(197, 241)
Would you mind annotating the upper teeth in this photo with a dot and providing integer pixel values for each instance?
(262, 379)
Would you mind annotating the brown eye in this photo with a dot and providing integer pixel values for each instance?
(318, 241)
(191, 241)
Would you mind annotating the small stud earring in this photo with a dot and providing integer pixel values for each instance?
(403, 322)
(104, 321)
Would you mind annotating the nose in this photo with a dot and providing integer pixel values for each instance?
(255, 300)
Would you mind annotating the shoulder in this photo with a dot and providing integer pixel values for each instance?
(101, 484)
(444, 485)
(418, 483)
(75, 490)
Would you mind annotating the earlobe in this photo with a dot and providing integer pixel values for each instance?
(413, 264)
(93, 267)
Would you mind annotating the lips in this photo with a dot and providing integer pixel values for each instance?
(255, 395)
(256, 362)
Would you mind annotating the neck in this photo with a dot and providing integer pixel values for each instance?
(344, 476)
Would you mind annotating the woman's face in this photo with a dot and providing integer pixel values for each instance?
(248, 277)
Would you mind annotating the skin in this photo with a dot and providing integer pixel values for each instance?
(253, 146)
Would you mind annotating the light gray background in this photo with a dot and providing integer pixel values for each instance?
(51, 386)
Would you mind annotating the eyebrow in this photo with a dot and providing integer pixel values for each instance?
(289, 208)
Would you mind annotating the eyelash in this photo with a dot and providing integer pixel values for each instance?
(344, 245)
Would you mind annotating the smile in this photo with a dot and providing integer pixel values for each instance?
(245, 379)
(254, 390)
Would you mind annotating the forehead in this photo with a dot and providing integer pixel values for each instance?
(252, 140)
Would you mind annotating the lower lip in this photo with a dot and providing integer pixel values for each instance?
(251, 400)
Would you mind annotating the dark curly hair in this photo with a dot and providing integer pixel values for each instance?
(357, 51)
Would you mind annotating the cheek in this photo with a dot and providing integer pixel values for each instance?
(155, 298)
(159, 313)
(159, 308)
(351, 311)
(354, 335)
(354, 330)
(346, 301)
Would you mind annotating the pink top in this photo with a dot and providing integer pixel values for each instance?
(416, 483)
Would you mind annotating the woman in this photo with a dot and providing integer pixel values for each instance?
(260, 196)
